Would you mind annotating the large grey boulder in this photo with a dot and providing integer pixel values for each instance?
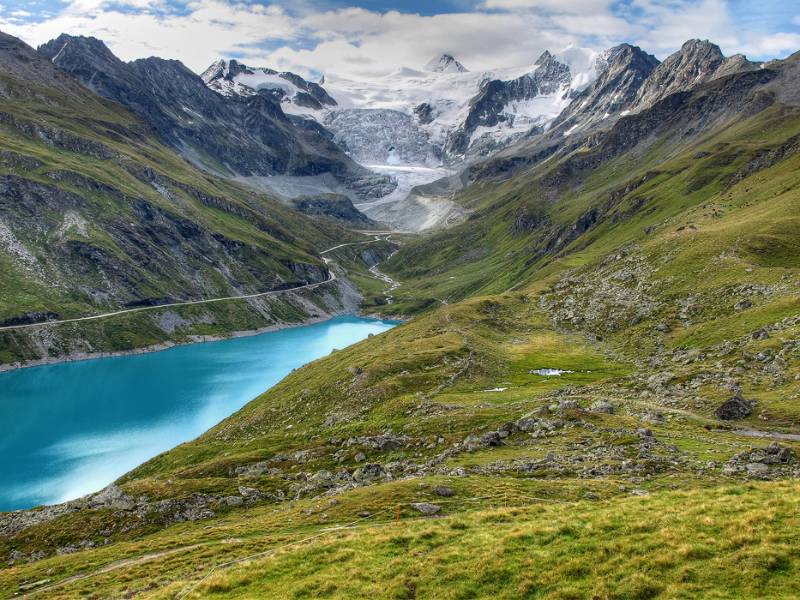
(735, 408)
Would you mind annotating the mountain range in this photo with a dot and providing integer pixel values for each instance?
(417, 125)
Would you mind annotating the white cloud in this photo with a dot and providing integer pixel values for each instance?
(665, 26)
(560, 6)
(211, 28)
(778, 44)
(360, 42)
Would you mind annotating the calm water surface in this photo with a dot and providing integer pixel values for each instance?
(71, 428)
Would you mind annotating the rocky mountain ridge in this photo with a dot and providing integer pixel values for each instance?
(445, 64)
(295, 94)
(242, 136)
(446, 116)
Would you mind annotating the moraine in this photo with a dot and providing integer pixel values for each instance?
(81, 425)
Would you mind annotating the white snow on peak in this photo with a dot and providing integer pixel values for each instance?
(445, 64)
(250, 81)
(582, 63)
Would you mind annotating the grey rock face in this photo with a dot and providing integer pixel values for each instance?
(735, 408)
(621, 71)
(251, 136)
(487, 109)
(696, 62)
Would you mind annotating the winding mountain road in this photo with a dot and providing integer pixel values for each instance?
(308, 286)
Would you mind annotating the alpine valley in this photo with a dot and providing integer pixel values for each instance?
(595, 389)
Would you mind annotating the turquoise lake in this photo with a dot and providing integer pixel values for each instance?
(70, 429)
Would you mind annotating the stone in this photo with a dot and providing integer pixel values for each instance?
(742, 305)
(780, 453)
(426, 509)
(485, 440)
(602, 406)
(233, 500)
(565, 405)
(369, 472)
(527, 424)
(444, 491)
(112, 497)
(734, 408)
(542, 411)
(360, 457)
(757, 469)
(250, 494)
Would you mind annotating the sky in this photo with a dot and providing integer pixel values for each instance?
(368, 38)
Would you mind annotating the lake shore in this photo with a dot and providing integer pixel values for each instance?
(193, 339)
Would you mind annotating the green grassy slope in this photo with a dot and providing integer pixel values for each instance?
(98, 215)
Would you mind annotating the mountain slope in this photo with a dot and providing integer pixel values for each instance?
(621, 72)
(241, 136)
(97, 215)
(525, 219)
(696, 62)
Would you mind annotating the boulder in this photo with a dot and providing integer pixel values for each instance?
(735, 408)
(602, 406)
(444, 491)
(112, 497)
(426, 509)
(369, 472)
(757, 469)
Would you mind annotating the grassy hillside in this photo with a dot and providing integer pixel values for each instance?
(98, 215)
(493, 538)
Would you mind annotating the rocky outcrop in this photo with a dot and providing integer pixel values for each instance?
(332, 206)
(695, 63)
(488, 108)
(621, 71)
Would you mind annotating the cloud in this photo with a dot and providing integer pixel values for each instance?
(206, 30)
(356, 42)
(558, 6)
(372, 43)
(667, 25)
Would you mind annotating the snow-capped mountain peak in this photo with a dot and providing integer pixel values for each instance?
(445, 64)
(296, 95)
